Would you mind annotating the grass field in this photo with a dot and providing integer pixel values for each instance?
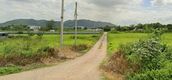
(22, 52)
(167, 39)
(33, 43)
(116, 39)
(146, 55)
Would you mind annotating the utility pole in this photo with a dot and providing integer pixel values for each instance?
(76, 21)
(62, 24)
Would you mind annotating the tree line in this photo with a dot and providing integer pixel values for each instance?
(50, 25)
(140, 27)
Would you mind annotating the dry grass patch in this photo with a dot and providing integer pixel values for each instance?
(116, 67)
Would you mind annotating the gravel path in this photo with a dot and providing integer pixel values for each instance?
(82, 68)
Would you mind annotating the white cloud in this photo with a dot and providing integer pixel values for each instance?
(38, 9)
(161, 2)
(115, 11)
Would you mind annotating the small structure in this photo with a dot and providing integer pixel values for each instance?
(35, 28)
(81, 27)
(52, 31)
(3, 35)
(95, 30)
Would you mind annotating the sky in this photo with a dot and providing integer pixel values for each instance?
(120, 12)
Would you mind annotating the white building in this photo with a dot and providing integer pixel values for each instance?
(95, 30)
(35, 28)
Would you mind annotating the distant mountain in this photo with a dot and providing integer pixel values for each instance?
(68, 23)
(30, 22)
(87, 23)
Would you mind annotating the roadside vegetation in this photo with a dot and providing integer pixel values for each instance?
(25, 52)
(139, 56)
(140, 28)
(116, 39)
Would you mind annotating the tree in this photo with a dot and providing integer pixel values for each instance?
(107, 28)
(85, 28)
(12, 27)
(169, 27)
(50, 25)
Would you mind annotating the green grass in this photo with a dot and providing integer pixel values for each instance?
(116, 39)
(28, 46)
(167, 39)
(10, 45)
(9, 70)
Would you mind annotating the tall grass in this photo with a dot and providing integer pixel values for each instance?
(30, 44)
(22, 50)
(148, 57)
(116, 39)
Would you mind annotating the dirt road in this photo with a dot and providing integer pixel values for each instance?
(82, 68)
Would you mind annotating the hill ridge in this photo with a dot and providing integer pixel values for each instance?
(69, 23)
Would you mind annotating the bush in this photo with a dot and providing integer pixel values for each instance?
(24, 47)
(116, 64)
(48, 51)
(80, 47)
(107, 28)
(31, 34)
(162, 74)
(154, 59)
(146, 53)
(168, 55)
(39, 36)
(94, 36)
(9, 69)
(78, 37)
(114, 31)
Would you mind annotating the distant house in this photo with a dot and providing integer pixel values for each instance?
(3, 35)
(35, 28)
(95, 30)
(99, 30)
(52, 31)
(81, 27)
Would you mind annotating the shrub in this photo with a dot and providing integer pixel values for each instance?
(107, 28)
(39, 36)
(116, 64)
(80, 47)
(162, 74)
(31, 34)
(168, 55)
(78, 37)
(114, 31)
(94, 36)
(146, 53)
(154, 59)
(48, 51)
(9, 70)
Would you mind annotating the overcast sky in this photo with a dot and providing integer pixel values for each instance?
(123, 12)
